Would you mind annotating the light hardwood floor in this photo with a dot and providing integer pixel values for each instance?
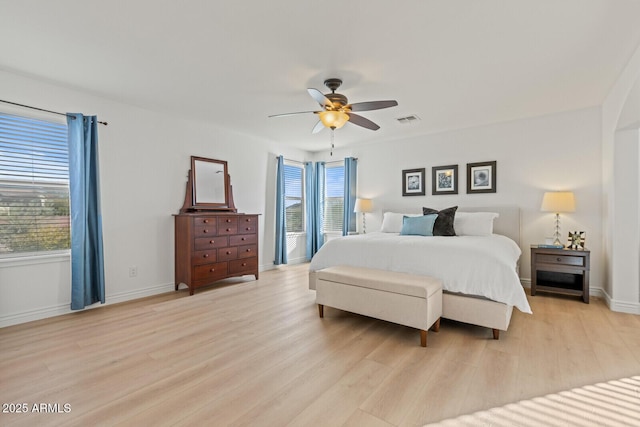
(256, 353)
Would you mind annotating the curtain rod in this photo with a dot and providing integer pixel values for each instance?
(297, 161)
(42, 109)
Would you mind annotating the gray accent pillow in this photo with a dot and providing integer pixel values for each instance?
(444, 221)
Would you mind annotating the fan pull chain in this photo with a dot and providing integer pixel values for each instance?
(332, 139)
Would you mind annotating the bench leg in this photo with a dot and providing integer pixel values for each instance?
(321, 310)
(436, 326)
(496, 334)
(423, 338)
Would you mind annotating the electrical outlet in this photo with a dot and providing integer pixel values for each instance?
(133, 271)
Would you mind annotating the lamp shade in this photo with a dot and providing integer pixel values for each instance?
(558, 201)
(363, 205)
(333, 119)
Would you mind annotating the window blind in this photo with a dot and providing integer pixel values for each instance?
(334, 198)
(293, 199)
(34, 185)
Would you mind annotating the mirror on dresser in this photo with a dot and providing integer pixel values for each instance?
(208, 186)
(212, 240)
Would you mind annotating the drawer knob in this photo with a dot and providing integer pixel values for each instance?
(243, 239)
(228, 252)
(244, 264)
(228, 229)
(206, 255)
(212, 270)
(248, 220)
(248, 228)
(559, 259)
(211, 242)
(205, 231)
(206, 221)
(228, 220)
(248, 250)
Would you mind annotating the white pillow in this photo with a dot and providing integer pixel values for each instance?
(474, 223)
(392, 221)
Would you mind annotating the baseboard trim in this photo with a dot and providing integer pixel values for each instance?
(58, 310)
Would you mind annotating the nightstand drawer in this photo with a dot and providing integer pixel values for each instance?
(561, 259)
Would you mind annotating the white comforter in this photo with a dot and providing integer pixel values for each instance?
(472, 265)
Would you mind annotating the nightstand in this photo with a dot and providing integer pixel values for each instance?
(564, 271)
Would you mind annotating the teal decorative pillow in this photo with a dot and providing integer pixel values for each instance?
(418, 225)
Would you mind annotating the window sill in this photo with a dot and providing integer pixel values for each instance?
(34, 258)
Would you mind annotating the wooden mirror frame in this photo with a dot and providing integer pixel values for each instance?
(190, 202)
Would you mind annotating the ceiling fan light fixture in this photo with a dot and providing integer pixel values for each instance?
(333, 119)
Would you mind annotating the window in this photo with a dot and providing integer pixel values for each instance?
(333, 198)
(34, 186)
(293, 198)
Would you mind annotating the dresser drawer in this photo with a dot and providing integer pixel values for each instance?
(205, 230)
(203, 257)
(204, 243)
(246, 265)
(227, 225)
(247, 225)
(211, 272)
(243, 239)
(561, 259)
(227, 253)
(205, 220)
(247, 251)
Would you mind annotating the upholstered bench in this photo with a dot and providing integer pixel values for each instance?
(406, 299)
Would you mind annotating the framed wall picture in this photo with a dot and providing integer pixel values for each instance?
(481, 177)
(444, 180)
(413, 182)
(576, 239)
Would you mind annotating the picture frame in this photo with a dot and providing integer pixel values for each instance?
(576, 240)
(413, 182)
(444, 180)
(481, 177)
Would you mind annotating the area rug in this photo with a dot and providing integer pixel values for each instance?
(615, 403)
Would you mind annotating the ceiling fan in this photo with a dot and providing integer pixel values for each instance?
(336, 110)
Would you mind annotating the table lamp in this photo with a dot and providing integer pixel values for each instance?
(363, 206)
(558, 202)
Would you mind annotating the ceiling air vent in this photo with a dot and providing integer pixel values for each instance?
(408, 119)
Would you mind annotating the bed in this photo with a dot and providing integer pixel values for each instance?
(479, 272)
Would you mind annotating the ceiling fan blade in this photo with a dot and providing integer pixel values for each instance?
(292, 114)
(361, 121)
(372, 105)
(318, 127)
(319, 97)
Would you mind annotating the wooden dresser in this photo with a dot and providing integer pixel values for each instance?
(210, 246)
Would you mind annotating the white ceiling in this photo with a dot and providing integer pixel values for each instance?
(455, 63)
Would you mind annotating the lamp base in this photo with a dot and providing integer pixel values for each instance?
(556, 235)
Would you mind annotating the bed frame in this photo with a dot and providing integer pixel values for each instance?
(472, 309)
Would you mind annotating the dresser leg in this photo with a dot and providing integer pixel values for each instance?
(321, 310)
(496, 334)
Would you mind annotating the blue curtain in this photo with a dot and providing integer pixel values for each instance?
(314, 191)
(310, 209)
(87, 261)
(350, 178)
(318, 203)
(281, 217)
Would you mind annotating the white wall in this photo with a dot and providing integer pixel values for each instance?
(555, 152)
(144, 159)
(620, 114)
